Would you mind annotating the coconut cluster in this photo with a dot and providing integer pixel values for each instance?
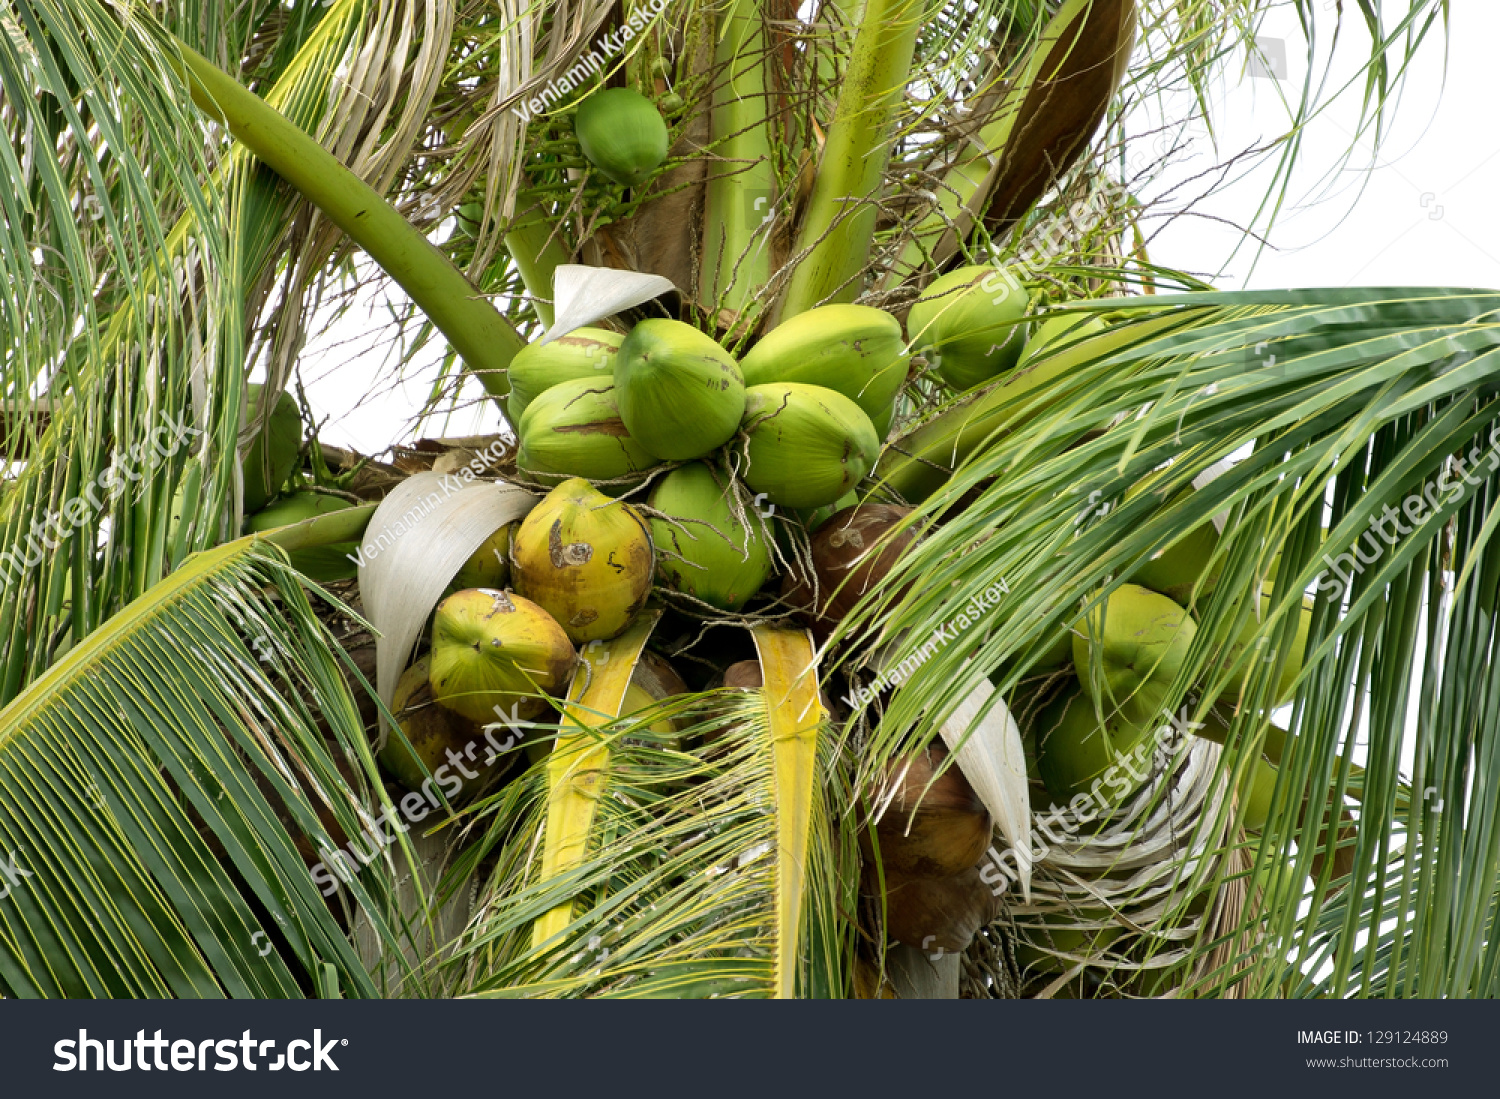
(676, 475)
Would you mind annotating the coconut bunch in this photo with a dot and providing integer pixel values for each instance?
(739, 462)
(725, 480)
(724, 490)
(1132, 785)
(746, 470)
(578, 569)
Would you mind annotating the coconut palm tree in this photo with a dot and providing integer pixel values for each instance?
(190, 194)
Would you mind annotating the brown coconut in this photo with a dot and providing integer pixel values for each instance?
(927, 828)
(851, 554)
(936, 913)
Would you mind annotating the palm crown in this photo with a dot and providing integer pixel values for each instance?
(189, 729)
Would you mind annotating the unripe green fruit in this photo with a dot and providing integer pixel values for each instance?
(622, 134)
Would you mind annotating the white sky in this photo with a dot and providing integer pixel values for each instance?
(1426, 215)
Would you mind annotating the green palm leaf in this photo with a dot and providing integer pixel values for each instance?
(1349, 400)
(165, 787)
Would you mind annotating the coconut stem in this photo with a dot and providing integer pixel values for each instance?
(476, 329)
(742, 185)
(838, 228)
(537, 252)
(322, 530)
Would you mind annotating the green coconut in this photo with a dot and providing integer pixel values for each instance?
(805, 445)
(574, 429)
(622, 134)
(272, 454)
(1139, 639)
(321, 563)
(1184, 565)
(496, 656)
(1287, 681)
(582, 353)
(852, 349)
(1255, 792)
(1079, 754)
(1052, 334)
(712, 544)
(969, 324)
(680, 394)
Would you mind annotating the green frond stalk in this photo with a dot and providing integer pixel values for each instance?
(833, 242)
(795, 713)
(741, 194)
(1036, 131)
(537, 253)
(477, 330)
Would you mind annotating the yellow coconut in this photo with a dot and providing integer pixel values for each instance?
(653, 681)
(489, 565)
(497, 656)
(585, 559)
(434, 738)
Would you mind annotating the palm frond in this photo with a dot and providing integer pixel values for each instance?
(172, 787)
(1342, 403)
(726, 870)
(170, 248)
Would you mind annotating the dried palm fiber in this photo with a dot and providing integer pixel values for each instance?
(1117, 887)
